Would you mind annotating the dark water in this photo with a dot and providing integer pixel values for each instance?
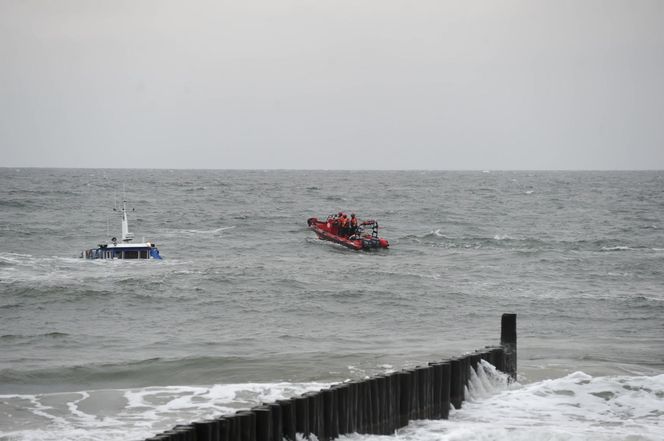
(246, 294)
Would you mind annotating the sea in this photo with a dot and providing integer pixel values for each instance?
(249, 306)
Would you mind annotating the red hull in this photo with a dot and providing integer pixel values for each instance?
(327, 230)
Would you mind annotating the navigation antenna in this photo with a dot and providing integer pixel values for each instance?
(126, 235)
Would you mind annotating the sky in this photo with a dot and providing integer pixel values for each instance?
(332, 84)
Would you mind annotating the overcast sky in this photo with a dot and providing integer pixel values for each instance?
(332, 84)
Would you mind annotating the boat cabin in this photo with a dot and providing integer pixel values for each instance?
(124, 251)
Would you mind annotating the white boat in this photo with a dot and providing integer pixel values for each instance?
(124, 249)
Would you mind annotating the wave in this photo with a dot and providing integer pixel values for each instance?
(577, 406)
(616, 248)
(213, 231)
(502, 240)
(155, 371)
(194, 189)
(15, 204)
(20, 337)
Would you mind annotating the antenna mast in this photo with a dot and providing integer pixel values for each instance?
(126, 235)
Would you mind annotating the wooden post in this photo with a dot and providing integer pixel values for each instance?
(354, 407)
(235, 433)
(302, 415)
(456, 387)
(393, 400)
(437, 385)
(203, 430)
(343, 408)
(277, 421)
(508, 342)
(224, 429)
(445, 394)
(263, 423)
(404, 397)
(247, 422)
(288, 419)
(330, 413)
(214, 430)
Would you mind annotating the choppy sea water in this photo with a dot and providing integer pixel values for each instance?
(249, 306)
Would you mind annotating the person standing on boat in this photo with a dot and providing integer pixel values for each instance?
(337, 222)
(353, 224)
(343, 230)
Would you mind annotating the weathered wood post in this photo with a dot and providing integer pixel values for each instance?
(393, 382)
(367, 407)
(383, 404)
(445, 394)
(247, 421)
(302, 415)
(498, 358)
(185, 432)
(475, 361)
(215, 427)
(437, 390)
(277, 421)
(224, 428)
(404, 397)
(466, 373)
(353, 407)
(456, 386)
(508, 342)
(263, 423)
(234, 431)
(420, 386)
(316, 415)
(289, 427)
(331, 412)
(375, 405)
(343, 407)
(203, 430)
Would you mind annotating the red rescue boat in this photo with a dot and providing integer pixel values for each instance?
(364, 238)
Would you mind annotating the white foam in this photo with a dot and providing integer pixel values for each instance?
(616, 248)
(213, 231)
(58, 271)
(141, 414)
(575, 407)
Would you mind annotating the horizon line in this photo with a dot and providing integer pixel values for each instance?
(482, 170)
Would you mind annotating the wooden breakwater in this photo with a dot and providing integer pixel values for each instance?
(377, 405)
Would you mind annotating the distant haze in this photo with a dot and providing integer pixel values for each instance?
(320, 84)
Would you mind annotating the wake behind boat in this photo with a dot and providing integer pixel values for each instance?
(124, 249)
(348, 232)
